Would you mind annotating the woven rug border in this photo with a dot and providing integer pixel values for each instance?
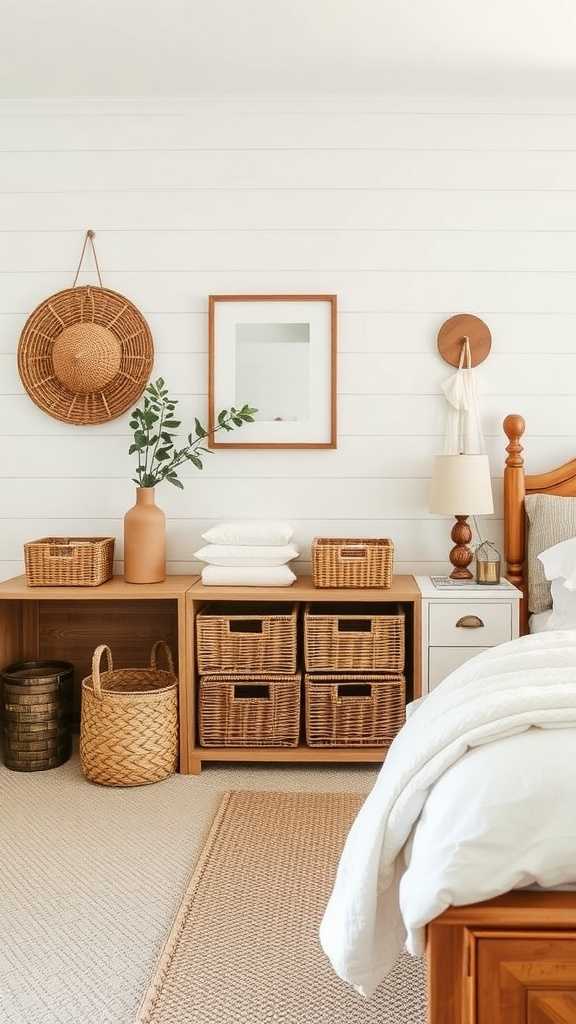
(155, 986)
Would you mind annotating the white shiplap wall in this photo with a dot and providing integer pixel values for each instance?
(409, 211)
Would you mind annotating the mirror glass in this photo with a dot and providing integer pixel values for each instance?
(273, 367)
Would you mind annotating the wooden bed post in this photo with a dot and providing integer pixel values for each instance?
(514, 516)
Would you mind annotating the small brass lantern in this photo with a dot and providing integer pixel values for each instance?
(487, 564)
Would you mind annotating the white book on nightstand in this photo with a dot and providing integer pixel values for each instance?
(460, 620)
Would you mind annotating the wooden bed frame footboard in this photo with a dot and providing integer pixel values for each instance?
(511, 960)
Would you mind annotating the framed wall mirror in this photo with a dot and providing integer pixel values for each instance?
(278, 354)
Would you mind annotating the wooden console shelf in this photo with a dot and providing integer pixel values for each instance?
(69, 622)
(403, 590)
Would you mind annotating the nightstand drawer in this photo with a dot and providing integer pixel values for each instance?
(469, 623)
(443, 660)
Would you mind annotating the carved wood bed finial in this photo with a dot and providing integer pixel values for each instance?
(514, 493)
(514, 427)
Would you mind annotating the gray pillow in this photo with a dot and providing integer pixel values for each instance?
(550, 520)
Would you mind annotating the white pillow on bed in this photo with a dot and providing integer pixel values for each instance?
(559, 562)
(563, 614)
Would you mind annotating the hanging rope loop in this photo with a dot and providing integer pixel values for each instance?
(89, 237)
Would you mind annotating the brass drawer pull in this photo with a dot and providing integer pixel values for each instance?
(470, 622)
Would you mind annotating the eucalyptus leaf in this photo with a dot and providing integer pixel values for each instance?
(158, 457)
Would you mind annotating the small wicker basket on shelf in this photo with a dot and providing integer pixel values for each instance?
(259, 710)
(352, 562)
(246, 637)
(69, 561)
(355, 710)
(353, 637)
(129, 722)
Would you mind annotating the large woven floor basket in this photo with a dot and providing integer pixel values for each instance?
(129, 722)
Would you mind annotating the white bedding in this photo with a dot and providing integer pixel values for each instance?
(471, 802)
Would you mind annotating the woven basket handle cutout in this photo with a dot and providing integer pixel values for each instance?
(161, 645)
(96, 659)
(88, 237)
(355, 551)
(62, 551)
(363, 694)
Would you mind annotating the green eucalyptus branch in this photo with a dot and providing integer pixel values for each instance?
(161, 456)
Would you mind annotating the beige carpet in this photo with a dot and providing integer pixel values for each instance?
(244, 945)
(91, 878)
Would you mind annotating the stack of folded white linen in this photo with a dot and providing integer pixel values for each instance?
(248, 554)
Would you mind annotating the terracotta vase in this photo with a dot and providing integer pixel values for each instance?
(144, 540)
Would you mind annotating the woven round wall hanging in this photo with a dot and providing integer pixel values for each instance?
(86, 353)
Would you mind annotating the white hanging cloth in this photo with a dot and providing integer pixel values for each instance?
(463, 426)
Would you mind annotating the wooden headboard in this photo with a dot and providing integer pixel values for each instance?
(517, 484)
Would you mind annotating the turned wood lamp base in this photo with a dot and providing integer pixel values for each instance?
(460, 555)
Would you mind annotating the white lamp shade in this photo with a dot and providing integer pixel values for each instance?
(461, 485)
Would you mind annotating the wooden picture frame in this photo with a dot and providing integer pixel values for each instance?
(329, 435)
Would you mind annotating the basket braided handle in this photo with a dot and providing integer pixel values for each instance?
(96, 659)
(161, 645)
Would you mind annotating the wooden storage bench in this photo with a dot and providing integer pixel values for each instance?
(69, 622)
(402, 599)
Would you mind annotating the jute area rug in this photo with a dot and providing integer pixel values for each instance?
(244, 945)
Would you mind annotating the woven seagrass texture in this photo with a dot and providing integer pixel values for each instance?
(35, 709)
(129, 722)
(349, 638)
(249, 711)
(355, 710)
(245, 637)
(69, 561)
(352, 562)
(244, 945)
(85, 355)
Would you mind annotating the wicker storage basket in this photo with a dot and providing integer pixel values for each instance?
(69, 561)
(259, 710)
(129, 722)
(247, 637)
(36, 708)
(350, 637)
(341, 562)
(355, 710)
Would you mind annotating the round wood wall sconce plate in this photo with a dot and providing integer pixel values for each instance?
(453, 333)
(85, 355)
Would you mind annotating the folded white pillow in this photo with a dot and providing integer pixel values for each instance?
(249, 533)
(247, 554)
(263, 576)
(559, 562)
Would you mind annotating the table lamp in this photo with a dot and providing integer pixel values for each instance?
(461, 487)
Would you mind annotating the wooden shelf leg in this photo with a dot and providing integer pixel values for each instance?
(194, 766)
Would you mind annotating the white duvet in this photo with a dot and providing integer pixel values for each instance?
(477, 796)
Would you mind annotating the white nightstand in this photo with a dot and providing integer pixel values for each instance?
(459, 622)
